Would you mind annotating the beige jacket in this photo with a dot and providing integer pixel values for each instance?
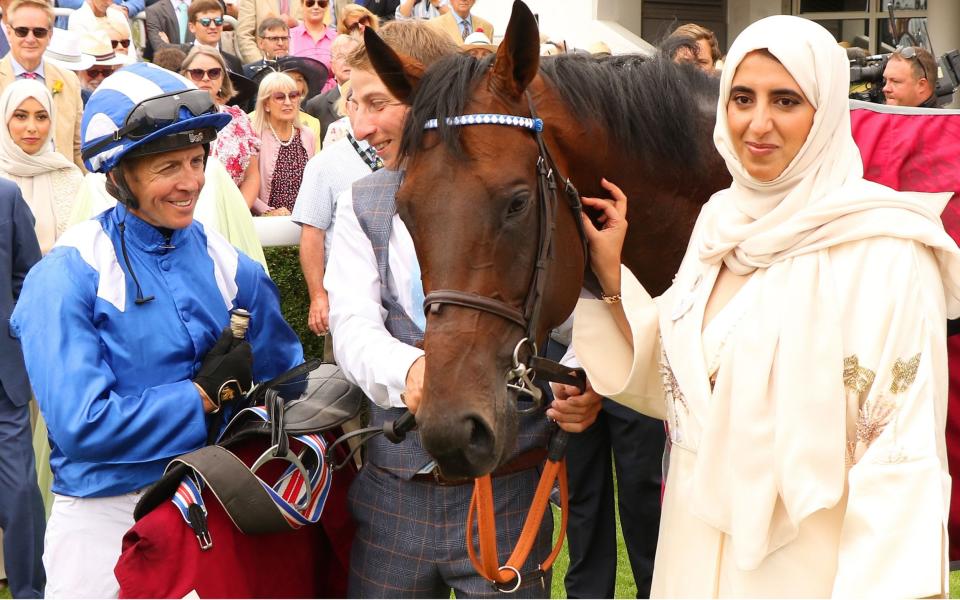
(447, 23)
(251, 13)
(65, 88)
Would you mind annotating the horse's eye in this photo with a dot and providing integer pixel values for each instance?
(518, 203)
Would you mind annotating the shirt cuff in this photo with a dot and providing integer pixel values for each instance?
(404, 357)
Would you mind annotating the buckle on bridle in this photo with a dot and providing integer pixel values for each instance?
(515, 587)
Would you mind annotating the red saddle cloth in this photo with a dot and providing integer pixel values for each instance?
(161, 556)
(918, 150)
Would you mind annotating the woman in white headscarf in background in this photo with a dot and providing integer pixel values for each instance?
(799, 358)
(47, 179)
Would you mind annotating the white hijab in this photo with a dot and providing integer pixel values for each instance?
(36, 173)
(784, 395)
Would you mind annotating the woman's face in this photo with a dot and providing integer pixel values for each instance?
(29, 125)
(301, 81)
(115, 38)
(768, 115)
(201, 66)
(284, 105)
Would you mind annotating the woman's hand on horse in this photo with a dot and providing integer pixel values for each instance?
(573, 409)
(606, 243)
(413, 392)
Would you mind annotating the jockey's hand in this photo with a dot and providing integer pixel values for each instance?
(574, 410)
(413, 392)
(606, 243)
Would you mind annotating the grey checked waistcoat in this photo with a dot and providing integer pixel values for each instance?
(374, 204)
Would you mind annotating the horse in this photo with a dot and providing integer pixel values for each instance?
(470, 198)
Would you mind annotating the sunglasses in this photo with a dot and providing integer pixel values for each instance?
(205, 21)
(280, 96)
(364, 20)
(278, 39)
(312, 3)
(910, 53)
(94, 72)
(116, 43)
(38, 32)
(197, 74)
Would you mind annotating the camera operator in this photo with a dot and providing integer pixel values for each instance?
(911, 78)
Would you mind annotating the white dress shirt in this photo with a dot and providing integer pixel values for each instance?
(365, 350)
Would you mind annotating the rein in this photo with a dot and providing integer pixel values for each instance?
(507, 578)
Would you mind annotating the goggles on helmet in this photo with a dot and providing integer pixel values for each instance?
(153, 114)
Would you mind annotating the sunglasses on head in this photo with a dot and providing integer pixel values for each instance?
(197, 74)
(280, 96)
(312, 3)
(205, 21)
(116, 43)
(38, 32)
(910, 53)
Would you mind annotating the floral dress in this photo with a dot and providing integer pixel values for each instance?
(288, 174)
(236, 144)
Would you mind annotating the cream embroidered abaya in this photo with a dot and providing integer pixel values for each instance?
(807, 420)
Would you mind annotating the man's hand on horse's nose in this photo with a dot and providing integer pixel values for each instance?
(413, 392)
(574, 410)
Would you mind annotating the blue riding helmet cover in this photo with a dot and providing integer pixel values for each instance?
(117, 96)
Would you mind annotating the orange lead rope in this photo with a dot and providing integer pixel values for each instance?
(507, 578)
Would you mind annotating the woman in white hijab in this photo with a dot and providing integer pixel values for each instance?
(799, 358)
(46, 178)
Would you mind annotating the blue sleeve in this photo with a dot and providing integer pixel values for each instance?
(68, 364)
(276, 348)
(74, 4)
(134, 7)
(26, 248)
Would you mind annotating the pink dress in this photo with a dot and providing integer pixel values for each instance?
(236, 144)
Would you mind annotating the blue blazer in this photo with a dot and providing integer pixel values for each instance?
(19, 250)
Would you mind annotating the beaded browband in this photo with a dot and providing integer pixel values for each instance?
(489, 119)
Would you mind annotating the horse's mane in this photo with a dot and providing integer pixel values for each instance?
(651, 108)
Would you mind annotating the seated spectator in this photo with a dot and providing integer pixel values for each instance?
(90, 16)
(47, 179)
(314, 37)
(911, 78)
(105, 61)
(64, 51)
(460, 22)
(323, 107)
(167, 24)
(286, 144)
(327, 175)
(170, 58)
(251, 17)
(236, 146)
(205, 22)
(273, 40)
(708, 49)
(355, 18)
(129, 8)
(421, 9)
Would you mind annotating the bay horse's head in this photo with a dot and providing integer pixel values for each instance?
(472, 192)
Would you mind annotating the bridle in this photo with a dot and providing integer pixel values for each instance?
(507, 578)
(520, 376)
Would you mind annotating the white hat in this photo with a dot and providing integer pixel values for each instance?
(64, 51)
(477, 37)
(97, 45)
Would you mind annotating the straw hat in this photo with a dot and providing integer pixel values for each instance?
(64, 51)
(97, 44)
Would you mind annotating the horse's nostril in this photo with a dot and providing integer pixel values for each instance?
(481, 436)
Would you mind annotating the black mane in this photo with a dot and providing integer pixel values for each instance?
(651, 108)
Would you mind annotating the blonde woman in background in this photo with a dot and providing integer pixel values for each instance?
(356, 18)
(286, 144)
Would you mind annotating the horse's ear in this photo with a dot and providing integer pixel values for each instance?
(401, 74)
(518, 56)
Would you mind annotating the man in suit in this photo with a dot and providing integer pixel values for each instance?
(206, 25)
(167, 22)
(34, 20)
(22, 517)
(459, 22)
(324, 106)
(252, 14)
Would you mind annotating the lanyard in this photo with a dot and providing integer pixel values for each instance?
(374, 162)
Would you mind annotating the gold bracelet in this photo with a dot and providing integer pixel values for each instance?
(611, 299)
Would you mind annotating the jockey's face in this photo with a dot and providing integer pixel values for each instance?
(768, 115)
(167, 186)
(378, 116)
